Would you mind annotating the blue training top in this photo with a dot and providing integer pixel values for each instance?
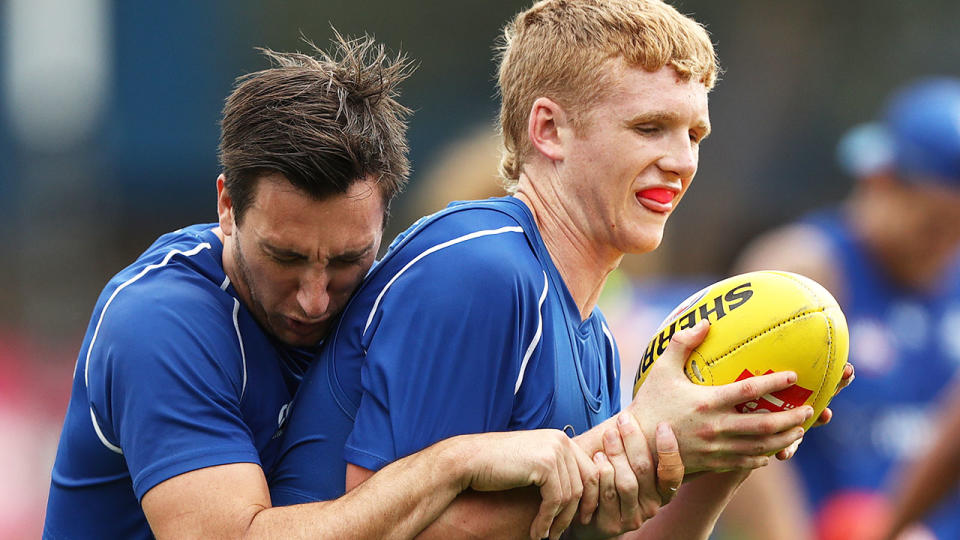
(174, 375)
(906, 348)
(465, 326)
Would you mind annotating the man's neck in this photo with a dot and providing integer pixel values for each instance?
(582, 264)
(229, 264)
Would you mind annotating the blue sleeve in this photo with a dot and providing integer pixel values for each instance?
(164, 381)
(311, 466)
(443, 352)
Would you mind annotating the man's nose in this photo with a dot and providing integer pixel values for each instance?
(682, 158)
(313, 296)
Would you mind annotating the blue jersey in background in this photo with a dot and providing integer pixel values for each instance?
(906, 349)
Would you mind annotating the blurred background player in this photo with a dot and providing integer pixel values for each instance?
(931, 476)
(889, 254)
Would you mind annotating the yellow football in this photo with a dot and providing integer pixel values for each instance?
(762, 322)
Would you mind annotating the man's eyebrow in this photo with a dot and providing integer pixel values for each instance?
(353, 254)
(656, 116)
(283, 252)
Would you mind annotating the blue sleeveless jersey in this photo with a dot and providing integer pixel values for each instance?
(906, 348)
(465, 326)
(173, 375)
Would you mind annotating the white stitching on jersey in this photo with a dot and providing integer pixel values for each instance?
(613, 348)
(536, 336)
(438, 247)
(103, 439)
(243, 355)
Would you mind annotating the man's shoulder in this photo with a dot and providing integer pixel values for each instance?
(489, 236)
(179, 279)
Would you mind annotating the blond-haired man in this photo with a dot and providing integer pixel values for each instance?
(483, 316)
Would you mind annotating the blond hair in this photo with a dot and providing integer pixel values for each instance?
(560, 49)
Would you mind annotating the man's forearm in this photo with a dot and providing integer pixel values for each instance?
(504, 514)
(397, 502)
(695, 511)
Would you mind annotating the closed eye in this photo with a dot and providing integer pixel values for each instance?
(647, 129)
(287, 260)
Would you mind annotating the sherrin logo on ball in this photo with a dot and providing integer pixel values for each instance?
(762, 322)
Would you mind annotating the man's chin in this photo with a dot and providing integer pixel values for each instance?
(304, 337)
(297, 340)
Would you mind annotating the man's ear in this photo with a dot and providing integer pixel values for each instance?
(547, 127)
(224, 207)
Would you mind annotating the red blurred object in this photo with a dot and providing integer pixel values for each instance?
(861, 515)
(34, 390)
(853, 515)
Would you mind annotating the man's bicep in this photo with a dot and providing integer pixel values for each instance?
(356, 475)
(442, 359)
(170, 404)
(219, 501)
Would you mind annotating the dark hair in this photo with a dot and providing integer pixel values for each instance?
(323, 121)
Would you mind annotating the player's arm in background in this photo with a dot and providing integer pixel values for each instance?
(772, 503)
(923, 482)
(233, 501)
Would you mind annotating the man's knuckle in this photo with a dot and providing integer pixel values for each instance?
(702, 406)
(748, 389)
(591, 481)
(707, 432)
(626, 483)
(767, 425)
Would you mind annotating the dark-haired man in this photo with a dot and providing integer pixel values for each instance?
(194, 351)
